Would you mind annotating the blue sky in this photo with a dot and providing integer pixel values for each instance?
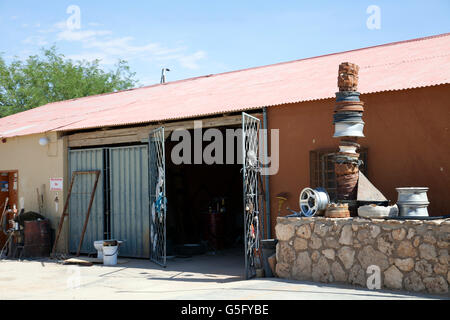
(195, 38)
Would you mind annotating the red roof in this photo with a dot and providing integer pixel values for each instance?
(395, 66)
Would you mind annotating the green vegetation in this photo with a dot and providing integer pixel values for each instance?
(51, 77)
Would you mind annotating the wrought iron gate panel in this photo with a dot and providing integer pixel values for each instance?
(157, 189)
(251, 173)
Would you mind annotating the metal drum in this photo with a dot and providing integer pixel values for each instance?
(413, 210)
(413, 201)
(412, 195)
(37, 241)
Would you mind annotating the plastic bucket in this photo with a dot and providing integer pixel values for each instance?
(110, 255)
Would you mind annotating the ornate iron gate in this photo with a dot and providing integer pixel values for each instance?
(251, 175)
(157, 189)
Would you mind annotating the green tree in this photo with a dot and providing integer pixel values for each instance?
(51, 77)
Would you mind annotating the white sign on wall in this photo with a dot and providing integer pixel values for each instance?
(56, 184)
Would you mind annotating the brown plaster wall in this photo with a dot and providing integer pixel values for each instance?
(407, 134)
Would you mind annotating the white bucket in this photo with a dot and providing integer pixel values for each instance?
(110, 255)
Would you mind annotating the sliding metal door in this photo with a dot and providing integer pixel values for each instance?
(130, 218)
(85, 160)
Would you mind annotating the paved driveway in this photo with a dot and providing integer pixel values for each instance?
(198, 278)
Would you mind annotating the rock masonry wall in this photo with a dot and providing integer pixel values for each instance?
(412, 255)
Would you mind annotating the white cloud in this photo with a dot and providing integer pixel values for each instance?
(35, 40)
(191, 61)
(80, 35)
(91, 56)
(103, 45)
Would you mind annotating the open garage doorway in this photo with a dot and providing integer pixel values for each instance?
(199, 206)
(205, 211)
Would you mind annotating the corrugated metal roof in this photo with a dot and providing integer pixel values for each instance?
(395, 66)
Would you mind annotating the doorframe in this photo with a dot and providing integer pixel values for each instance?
(9, 195)
(217, 124)
(9, 189)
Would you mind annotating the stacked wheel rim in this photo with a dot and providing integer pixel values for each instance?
(312, 201)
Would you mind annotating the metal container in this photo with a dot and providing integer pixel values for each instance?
(347, 116)
(412, 195)
(348, 129)
(413, 210)
(37, 241)
(413, 201)
(349, 106)
(347, 149)
(347, 96)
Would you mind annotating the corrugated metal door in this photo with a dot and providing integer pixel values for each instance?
(85, 160)
(130, 217)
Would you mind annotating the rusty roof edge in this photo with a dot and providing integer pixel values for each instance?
(257, 67)
(245, 109)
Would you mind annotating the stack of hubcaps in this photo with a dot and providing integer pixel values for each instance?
(413, 201)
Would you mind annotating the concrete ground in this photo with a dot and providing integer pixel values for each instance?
(198, 278)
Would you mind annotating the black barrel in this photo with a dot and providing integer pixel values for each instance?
(37, 242)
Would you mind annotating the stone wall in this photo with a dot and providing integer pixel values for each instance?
(412, 255)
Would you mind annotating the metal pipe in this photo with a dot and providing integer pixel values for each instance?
(266, 177)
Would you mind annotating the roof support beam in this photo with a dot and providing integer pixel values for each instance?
(140, 134)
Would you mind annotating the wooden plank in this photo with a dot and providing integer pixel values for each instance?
(78, 261)
(63, 215)
(138, 134)
(88, 213)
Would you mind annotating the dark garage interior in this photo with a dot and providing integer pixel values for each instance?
(204, 206)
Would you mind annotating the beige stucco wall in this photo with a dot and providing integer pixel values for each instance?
(36, 164)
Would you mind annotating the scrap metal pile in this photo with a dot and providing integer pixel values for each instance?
(348, 126)
(355, 194)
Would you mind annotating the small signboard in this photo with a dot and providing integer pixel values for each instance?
(56, 184)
